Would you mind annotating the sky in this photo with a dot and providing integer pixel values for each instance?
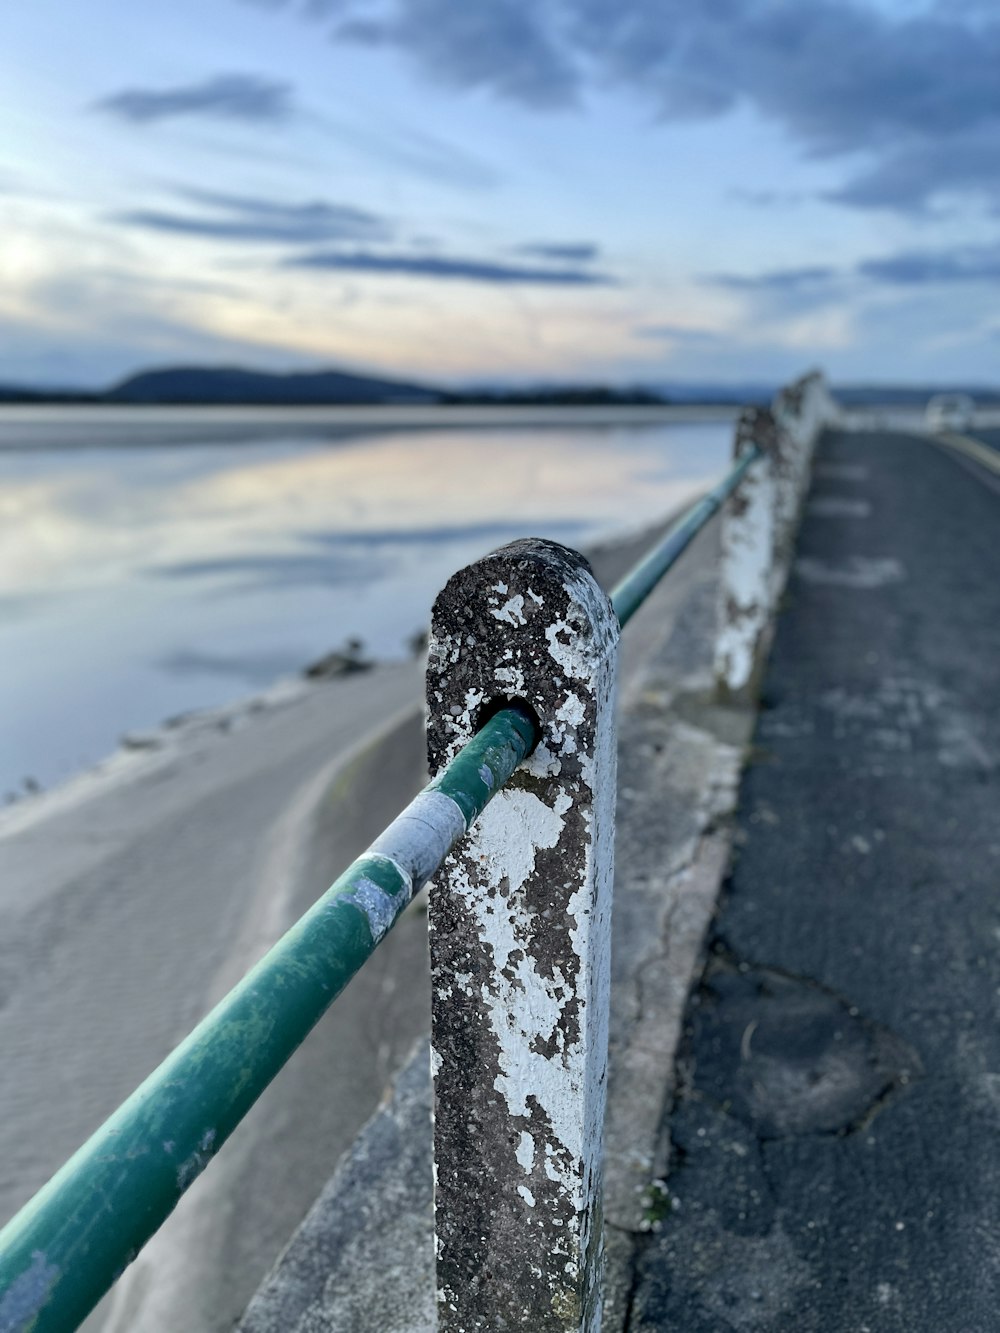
(465, 191)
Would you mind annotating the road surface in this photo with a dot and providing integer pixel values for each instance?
(834, 1143)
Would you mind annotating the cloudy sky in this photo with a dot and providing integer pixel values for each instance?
(468, 189)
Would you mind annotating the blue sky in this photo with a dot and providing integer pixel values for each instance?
(532, 189)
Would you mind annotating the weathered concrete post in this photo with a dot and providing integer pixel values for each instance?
(759, 524)
(520, 948)
(752, 523)
(801, 410)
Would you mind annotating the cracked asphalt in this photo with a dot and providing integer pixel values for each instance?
(835, 1139)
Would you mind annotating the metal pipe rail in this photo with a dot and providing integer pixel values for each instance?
(630, 593)
(63, 1251)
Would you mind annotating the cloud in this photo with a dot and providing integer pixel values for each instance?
(914, 268)
(449, 268)
(768, 198)
(978, 264)
(916, 93)
(503, 46)
(92, 328)
(247, 97)
(415, 151)
(840, 75)
(776, 280)
(248, 219)
(908, 178)
(566, 252)
(675, 333)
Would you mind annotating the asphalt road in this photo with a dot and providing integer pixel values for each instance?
(836, 1139)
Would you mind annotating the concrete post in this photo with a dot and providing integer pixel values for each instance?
(759, 525)
(752, 525)
(520, 936)
(800, 410)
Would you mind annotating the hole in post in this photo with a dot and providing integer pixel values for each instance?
(490, 710)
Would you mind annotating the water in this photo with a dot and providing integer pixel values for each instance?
(160, 561)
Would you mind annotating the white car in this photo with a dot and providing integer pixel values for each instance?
(949, 411)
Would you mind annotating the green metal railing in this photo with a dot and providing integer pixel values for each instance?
(71, 1242)
(628, 595)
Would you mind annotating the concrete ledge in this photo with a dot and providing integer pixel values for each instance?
(364, 1256)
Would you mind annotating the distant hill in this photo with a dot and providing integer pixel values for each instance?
(235, 386)
(19, 393)
(231, 385)
(197, 386)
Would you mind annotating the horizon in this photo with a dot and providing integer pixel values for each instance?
(496, 384)
(576, 191)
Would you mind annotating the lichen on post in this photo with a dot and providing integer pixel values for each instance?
(520, 935)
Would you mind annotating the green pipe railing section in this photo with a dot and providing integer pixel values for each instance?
(70, 1243)
(628, 595)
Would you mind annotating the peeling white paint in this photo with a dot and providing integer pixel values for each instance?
(746, 573)
(194, 1164)
(380, 908)
(27, 1294)
(418, 839)
(572, 711)
(512, 611)
(527, 1007)
(526, 1150)
(511, 830)
(543, 763)
(513, 678)
(540, 1000)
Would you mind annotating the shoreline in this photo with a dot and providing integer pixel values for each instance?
(250, 425)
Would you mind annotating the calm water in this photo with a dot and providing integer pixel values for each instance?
(155, 562)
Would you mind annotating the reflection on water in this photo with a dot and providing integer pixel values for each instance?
(140, 582)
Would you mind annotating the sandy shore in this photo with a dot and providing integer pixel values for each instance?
(134, 896)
